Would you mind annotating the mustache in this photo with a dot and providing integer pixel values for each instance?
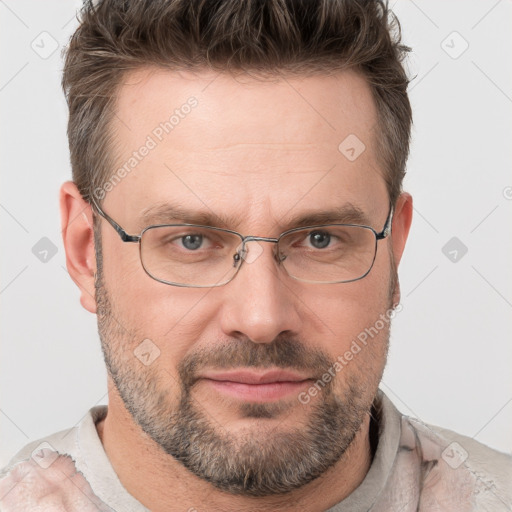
(282, 353)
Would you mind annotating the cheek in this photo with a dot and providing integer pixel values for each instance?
(359, 339)
(343, 311)
(171, 317)
(354, 333)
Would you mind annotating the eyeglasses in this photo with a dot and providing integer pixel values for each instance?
(196, 256)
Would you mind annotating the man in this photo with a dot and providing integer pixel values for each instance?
(235, 221)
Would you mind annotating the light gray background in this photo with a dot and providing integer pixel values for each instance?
(450, 355)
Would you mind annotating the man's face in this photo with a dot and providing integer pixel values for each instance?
(258, 153)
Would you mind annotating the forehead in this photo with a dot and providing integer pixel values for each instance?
(241, 145)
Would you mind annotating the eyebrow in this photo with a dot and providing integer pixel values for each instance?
(167, 213)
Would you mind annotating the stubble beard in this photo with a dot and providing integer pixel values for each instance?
(257, 461)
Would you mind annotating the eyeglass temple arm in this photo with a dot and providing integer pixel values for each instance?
(125, 237)
(387, 226)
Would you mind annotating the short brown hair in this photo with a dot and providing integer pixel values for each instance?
(263, 37)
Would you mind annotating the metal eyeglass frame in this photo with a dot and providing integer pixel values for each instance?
(125, 237)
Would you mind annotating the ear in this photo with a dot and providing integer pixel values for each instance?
(402, 219)
(78, 236)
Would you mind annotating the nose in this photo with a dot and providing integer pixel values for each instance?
(261, 302)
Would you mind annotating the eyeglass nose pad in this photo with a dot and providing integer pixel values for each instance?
(249, 255)
(237, 257)
(281, 257)
(240, 254)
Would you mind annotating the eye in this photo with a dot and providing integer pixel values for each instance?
(319, 239)
(192, 241)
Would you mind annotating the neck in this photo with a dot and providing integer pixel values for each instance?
(156, 479)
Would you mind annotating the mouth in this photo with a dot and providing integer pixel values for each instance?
(253, 386)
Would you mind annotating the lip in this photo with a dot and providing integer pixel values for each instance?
(255, 386)
(254, 377)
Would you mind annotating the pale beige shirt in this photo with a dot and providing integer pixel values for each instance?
(416, 467)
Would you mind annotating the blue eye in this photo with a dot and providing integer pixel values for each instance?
(192, 242)
(319, 239)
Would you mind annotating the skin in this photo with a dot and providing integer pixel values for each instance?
(261, 153)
